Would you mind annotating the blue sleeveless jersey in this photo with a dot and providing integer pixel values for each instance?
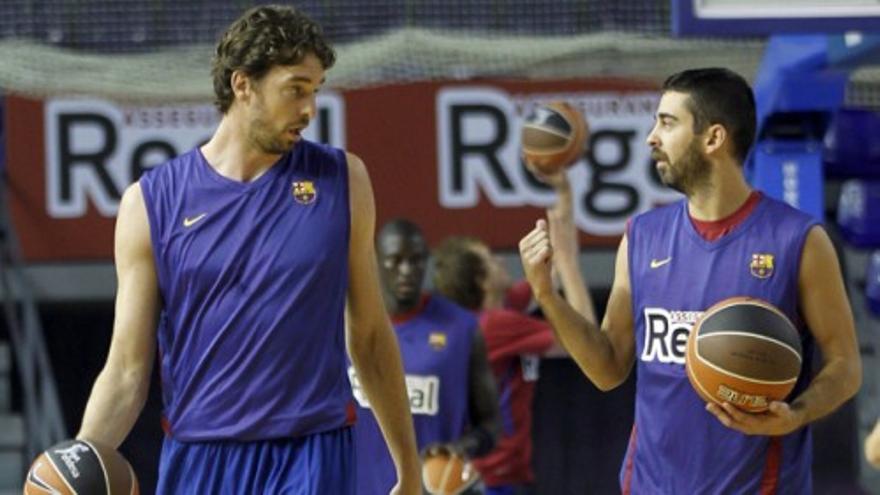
(676, 445)
(253, 279)
(435, 346)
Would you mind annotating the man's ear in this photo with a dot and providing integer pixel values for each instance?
(715, 138)
(241, 84)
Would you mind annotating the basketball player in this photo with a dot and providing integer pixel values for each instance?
(468, 273)
(451, 388)
(254, 257)
(724, 239)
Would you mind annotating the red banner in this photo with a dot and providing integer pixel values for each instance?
(444, 154)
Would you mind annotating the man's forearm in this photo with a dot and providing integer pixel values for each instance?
(380, 373)
(588, 345)
(838, 380)
(113, 407)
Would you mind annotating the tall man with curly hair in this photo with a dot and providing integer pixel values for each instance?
(250, 261)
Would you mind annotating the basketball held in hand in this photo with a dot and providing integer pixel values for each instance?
(83, 468)
(554, 137)
(744, 351)
(447, 473)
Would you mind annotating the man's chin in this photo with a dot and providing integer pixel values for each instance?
(407, 299)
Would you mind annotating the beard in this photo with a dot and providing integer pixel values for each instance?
(688, 173)
(266, 139)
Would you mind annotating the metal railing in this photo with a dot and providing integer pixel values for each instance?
(43, 417)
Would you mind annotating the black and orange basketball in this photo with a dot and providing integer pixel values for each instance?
(447, 473)
(83, 468)
(744, 351)
(553, 137)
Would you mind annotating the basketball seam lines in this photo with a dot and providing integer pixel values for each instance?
(736, 375)
(751, 335)
(700, 384)
(101, 462)
(58, 471)
(29, 483)
(548, 130)
(547, 152)
(447, 470)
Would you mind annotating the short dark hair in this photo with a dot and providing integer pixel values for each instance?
(402, 227)
(719, 96)
(459, 271)
(262, 38)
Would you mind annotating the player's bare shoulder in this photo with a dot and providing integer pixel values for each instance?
(361, 191)
(132, 223)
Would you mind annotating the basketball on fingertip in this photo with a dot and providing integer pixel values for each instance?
(83, 468)
(553, 137)
(447, 473)
(744, 351)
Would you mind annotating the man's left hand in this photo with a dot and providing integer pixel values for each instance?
(778, 419)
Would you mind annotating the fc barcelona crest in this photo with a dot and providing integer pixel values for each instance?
(437, 340)
(304, 191)
(761, 265)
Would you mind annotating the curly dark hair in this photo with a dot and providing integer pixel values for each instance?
(262, 38)
(459, 271)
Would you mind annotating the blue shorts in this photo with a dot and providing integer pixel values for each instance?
(315, 464)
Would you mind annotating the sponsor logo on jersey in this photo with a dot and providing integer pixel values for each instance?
(761, 265)
(666, 334)
(423, 390)
(70, 457)
(437, 340)
(304, 191)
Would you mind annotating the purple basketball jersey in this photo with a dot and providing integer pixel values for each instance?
(253, 279)
(676, 445)
(435, 346)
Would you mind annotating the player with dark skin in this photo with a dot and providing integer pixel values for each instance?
(403, 258)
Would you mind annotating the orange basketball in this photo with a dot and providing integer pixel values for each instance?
(80, 467)
(744, 351)
(446, 473)
(554, 137)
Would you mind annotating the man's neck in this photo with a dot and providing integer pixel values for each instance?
(232, 156)
(725, 193)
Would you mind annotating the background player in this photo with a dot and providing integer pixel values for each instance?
(468, 273)
(676, 261)
(249, 253)
(452, 391)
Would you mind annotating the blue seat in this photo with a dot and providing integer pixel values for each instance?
(851, 146)
(858, 212)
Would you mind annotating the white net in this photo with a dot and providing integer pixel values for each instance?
(161, 50)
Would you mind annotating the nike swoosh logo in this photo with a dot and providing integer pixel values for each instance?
(658, 263)
(189, 222)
